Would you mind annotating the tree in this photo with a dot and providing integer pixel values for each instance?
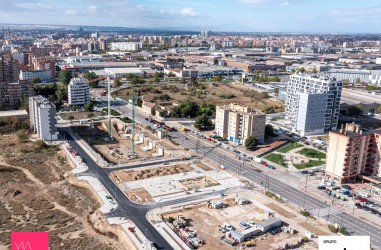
(292, 71)
(88, 107)
(301, 70)
(21, 135)
(65, 76)
(251, 143)
(90, 115)
(36, 80)
(24, 102)
(61, 93)
(355, 110)
(217, 78)
(75, 108)
(70, 117)
(203, 122)
(276, 91)
(358, 80)
(187, 109)
(92, 76)
(156, 79)
(269, 130)
(170, 74)
(117, 83)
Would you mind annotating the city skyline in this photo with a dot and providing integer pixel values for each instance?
(233, 15)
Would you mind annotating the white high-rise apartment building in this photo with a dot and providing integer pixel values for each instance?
(312, 104)
(237, 123)
(43, 118)
(126, 46)
(78, 91)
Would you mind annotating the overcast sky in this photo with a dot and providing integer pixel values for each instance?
(218, 15)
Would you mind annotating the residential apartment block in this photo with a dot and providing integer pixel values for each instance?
(236, 123)
(126, 46)
(43, 118)
(312, 104)
(12, 93)
(352, 153)
(78, 91)
(9, 70)
(43, 75)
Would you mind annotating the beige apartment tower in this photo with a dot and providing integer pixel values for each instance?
(236, 123)
(352, 153)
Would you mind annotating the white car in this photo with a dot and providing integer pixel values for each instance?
(228, 227)
(364, 195)
(252, 224)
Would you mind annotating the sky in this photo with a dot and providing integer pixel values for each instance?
(342, 16)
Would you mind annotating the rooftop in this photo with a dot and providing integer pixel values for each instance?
(269, 222)
(13, 113)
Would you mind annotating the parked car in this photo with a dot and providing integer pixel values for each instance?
(271, 166)
(358, 205)
(252, 224)
(275, 231)
(366, 208)
(322, 188)
(364, 195)
(244, 225)
(373, 211)
(360, 199)
(228, 227)
(346, 187)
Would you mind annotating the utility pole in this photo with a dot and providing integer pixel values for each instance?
(109, 107)
(133, 126)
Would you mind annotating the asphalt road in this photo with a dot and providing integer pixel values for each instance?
(293, 195)
(135, 212)
(302, 199)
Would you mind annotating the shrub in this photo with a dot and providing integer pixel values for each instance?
(333, 229)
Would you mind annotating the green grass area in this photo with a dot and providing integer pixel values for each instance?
(276, 158)
(309, 165)
(290, 147)
(312, 153)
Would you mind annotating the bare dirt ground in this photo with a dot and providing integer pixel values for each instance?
(133, 175)
(315, 228)
(205, 221)
(212, 94)
(203, 166)
(280, 210)
(200, 182)
(36, 197)
(140, 195)
(115, 151)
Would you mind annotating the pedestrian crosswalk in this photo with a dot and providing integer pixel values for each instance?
(323, 212)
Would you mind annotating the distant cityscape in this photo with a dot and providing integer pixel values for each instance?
(135, 138)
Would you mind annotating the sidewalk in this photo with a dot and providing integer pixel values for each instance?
(109, 202)
(77, 160)
(135, 234)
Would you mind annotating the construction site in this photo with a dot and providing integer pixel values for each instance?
(171, 181)
(127, 144)
(241, 220)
